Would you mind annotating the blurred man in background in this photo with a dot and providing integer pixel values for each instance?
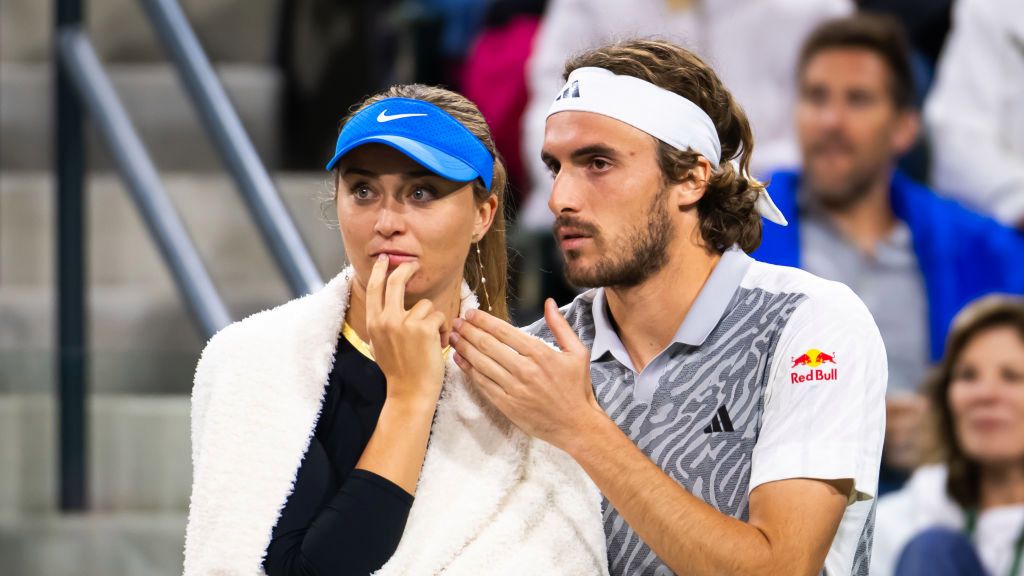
(913, 257)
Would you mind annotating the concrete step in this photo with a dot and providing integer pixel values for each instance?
(142, 337)
(120, 250)
(139, 454)
(158, 106)
(140, 343)
(124, 544)
(229, 30)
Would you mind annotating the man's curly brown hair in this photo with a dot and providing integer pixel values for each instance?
(726, 211)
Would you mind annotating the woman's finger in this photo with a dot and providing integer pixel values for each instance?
(436, 320)
(394, 299)
(435, 323)
(375, 288)
(421, 309)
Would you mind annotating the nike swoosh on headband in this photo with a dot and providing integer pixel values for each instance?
(383, 116)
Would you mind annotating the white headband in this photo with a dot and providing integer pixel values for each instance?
(661, 113)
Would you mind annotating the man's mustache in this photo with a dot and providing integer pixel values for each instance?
(829, 143)
(564, 221)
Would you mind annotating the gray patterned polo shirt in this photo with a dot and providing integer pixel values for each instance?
(774, 374)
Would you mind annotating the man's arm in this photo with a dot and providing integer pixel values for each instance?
(791, 525)
(548, 394)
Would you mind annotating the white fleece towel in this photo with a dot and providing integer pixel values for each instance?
(490, 499)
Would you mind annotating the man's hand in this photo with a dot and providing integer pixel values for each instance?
(548, 394)
(545, 392)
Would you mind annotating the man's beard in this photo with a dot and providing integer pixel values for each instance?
(639, 254)
(842, 195)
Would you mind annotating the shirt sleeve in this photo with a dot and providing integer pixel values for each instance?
(331, 530)
(824, 407)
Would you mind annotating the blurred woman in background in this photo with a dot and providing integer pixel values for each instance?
(311, 421)
(965, 514)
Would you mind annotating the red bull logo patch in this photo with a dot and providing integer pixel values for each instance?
(813, 358)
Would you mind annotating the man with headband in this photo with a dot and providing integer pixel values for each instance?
(730, 411)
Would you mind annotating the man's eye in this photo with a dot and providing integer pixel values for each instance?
(1011, 375)
(600, 164)
(861, 99)
(815, 96)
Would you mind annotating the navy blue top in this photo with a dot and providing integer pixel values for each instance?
(339, 521)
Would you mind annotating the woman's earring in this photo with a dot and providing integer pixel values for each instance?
(483, 278)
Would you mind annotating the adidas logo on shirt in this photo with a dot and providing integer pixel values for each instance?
(720, 423)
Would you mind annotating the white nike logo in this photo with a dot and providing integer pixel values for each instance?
(383, 116)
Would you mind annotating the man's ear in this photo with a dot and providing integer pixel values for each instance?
(485, 213)
(906, 130)
(691, 189)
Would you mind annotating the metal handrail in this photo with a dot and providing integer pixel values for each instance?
(79, 59)
(80, 80)
(72, 360)
(234, 145)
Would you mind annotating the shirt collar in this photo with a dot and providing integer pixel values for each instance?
(605, 339)
(707, 309)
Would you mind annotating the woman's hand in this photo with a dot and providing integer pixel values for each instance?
(406, 344)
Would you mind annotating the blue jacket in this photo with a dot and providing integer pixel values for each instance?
(962, 255)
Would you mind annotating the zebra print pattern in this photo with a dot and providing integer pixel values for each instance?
(730, 369)
(862, 559)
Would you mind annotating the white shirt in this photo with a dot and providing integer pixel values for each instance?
(923, 503)
(815, 427)
(743, 396)
(975, 113)
(752, 44)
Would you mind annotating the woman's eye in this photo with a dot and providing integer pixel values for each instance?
(965, 374)
(422, 194)
(362, 192)
(1013, 376)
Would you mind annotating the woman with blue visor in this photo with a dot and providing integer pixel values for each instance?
(335, 435)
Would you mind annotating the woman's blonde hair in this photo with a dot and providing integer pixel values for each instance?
(493, 251)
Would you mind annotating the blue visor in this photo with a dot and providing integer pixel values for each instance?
(423, 132)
